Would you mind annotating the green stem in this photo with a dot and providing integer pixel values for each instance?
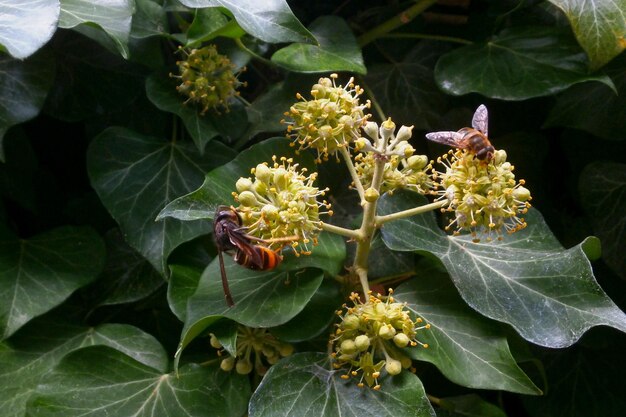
(425, 36)
(380, 220)
(342, 231)
(395, 22)
(345, 153)
(251, 52)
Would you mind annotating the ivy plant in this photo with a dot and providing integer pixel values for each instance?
(281, 208)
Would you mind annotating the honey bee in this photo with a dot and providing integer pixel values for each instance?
(230, 235)
(472, 138)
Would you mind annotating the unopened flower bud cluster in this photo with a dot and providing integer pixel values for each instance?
(372, 336)
(483, 196)
(402, 168)
(257, 349)
(207, 78)
(330, 120)
(281, 202)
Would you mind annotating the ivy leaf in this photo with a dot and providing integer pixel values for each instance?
(150, 19)
(270, 20)
(602, 188)
(39, 273)
(210, 23)
(468, 349)
(518, 64)
(338, 50)
(113, 16)
(183, 283)
(307, 387)
(136, 175)
(18, 35)
(547, 293)
(104, 379)
(220, 183)
(467, 406)
(599, 26)
(24, 86)
(39, 346)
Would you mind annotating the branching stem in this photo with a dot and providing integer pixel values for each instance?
(380, 220)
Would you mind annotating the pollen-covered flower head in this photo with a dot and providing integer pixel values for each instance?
(401, 169)
(372, 336)
(257, 350)
(281, 203)
(331, 119)
(207, 78)
(484, 196)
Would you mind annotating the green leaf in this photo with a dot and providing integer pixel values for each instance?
(40, 345)
(599, 26)
(150, 19)
(136, 175)
(594, 107)
(602, 188)
(338, 50)
(467, 406)
(547, 293)
(113, 16)
(24, 86)
(270, 20)
(127, 276)
(468, 349)
(307, 387)
(39, 273)
(210, 23)
(108, 382)
(219, 184)
(18, 35)
(183, 283)
(518, 64)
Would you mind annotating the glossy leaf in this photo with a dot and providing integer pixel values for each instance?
(108, 382)
(39, 273)
(271, 20)
(150, 19)
(183, 283)
(467, 406)
(338, 50)
(136, 175)
(113, 16)
(468, 349)
(307, 387)
(547, 293)
(600, 27)
(24, 86)
(18, 35)
(41, 344)
(219, 184)
(210, 23)
(603, 194)
(517, 64)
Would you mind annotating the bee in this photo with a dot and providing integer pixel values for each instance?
(472, 138)
(230, 235)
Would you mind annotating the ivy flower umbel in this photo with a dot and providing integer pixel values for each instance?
(402, 169)
(281, 202)
(484, 196)
(371, 337)
(332, 119)
(257, 349)
(207, 78)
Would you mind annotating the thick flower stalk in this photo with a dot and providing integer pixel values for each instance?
(372, 336)
(207, 78)
(256, 350)
(484, 196)
(332, 119)
(281, 202)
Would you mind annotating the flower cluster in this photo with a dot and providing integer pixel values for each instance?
(256, 350)
(281, 203)
(371, 337)
(207, 78)
(401, 169)
(483, 196)
(331, 120)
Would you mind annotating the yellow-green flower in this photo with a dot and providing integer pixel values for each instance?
(207, 78)
(281, 202)
(371, 337)
(330, 120)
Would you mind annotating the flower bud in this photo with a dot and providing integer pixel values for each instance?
(362, 342)
(387, 331)
(348, 346)
(351, 322)
(401, 340)
(521, 194)
(243, 367)
(262, 172)
(417, 162)
(243, 184)
(404, 133)
(227, 364)
(371, 130)
(285, 349)
(393, 366)
(247, 198)
(371, 195)
(270, 212)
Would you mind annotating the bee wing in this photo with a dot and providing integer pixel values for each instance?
(481, 119)
(445, 137)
